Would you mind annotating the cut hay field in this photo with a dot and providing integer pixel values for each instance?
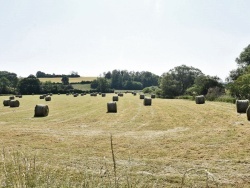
(71, 80)
(172, 143)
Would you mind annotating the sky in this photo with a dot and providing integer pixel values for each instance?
(95, 36)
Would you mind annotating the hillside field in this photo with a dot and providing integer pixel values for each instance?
(172, 143)
(71, 80)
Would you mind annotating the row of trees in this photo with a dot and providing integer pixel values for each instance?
(10, 83)
(40, 74)
(125, 80)
(179, 81)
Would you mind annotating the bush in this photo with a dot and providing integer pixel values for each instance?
(226, 98)
(214, 93)
(188, 97)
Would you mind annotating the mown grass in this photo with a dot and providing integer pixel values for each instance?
(71, 80)
(83, 87)
(172, 143)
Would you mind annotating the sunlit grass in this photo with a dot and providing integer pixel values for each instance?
(153, 145)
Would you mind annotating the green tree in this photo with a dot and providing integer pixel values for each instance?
(12, 77)
(29, 85)
(170, 87)
(204, 82)
(244, 58)
(178, 80)
(103, 85)
(240, 88)
(4, 85)
(243, 62)
(65, 80)
(40, 74)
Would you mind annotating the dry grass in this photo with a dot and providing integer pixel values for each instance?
(153, 145)
(71, 80)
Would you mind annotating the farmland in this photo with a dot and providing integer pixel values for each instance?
(71, 80)
(151, 145)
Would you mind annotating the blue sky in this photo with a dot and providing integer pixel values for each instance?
(96, 36)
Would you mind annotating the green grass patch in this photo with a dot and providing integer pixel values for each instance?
(71, 80)
(83, 87)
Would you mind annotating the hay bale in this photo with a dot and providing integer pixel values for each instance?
(248, 113)
(14, 103)
(41, 110)
(147, 101)
(58, 93)
(93, 94)
(48, 98)
(142, 96)
(41, 97)
(200, 99)
(115, 98)
(12, 97)
(67, 94)
(82, 94)
(242, 105)
(134, 94)
(6, 102)
(103, 94)
(112, 107)
(153, 96)
(120, 94)
(75, 95)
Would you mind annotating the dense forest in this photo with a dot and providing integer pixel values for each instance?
(180, 82)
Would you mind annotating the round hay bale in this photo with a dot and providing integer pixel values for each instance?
(58, 93)
(142, 96)
(153, 96)
(48, 98)
(14, 103)
(41, 110)
(242, 105)
(248, 113)
(93, 94)
(6, 102)
(12, 97)
(67, 94)
(147, 101)
(134, 94)
(112, 107)
(82, 94)
(200, 99)
(41, 97)
(103, 94)
(75, 95)
(120, 94)
(115, 98)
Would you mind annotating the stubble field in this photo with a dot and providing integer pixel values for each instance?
(173, 143)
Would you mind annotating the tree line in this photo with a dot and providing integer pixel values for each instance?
(40, 74)
(181, 81)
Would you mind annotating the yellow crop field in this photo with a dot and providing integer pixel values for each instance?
(71, 80)
(172, 143)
